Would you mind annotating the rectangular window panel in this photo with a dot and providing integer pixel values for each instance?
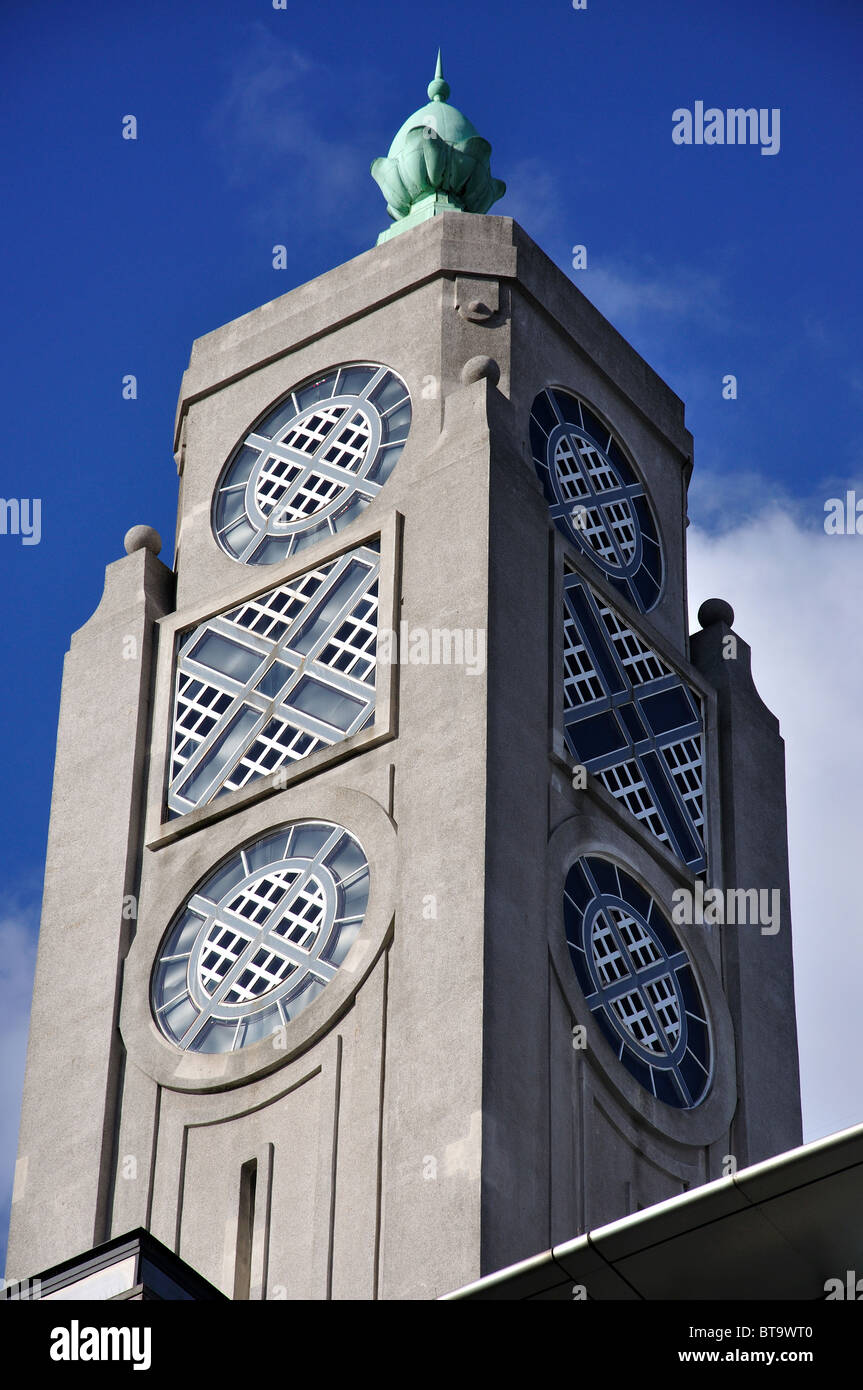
(274, 679)
(633, 721)
(331, 706)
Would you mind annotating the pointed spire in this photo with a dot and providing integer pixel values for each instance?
(438, 88)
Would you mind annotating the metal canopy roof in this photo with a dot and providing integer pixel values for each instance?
(777, 1230)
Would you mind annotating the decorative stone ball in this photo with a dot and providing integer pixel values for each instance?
(142, 538)
(715, 610)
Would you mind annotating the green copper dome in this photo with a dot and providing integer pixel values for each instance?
(437, 162)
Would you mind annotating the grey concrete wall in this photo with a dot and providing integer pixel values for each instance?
(516, 1178)
(64, 1173)
(758, 967)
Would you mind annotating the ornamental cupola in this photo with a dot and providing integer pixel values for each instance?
(438, 162)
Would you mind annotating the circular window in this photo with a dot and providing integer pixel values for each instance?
(260, 938)
(312, 464)
(594, 497)
(637, 981)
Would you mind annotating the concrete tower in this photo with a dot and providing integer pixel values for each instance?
(364, 967)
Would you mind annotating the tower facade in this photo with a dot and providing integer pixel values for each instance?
(364, 966)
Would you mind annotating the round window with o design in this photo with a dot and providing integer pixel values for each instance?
(260, 937)
(312, 464)
(594, 496)
(637, 981)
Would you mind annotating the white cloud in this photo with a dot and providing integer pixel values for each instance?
(796, 596)
(629, 294)
(721, 496)
(533, 201)
(268, 131)
(634, 291)
(663, 310)
(17, 959)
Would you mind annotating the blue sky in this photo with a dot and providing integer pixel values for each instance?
(257, 126)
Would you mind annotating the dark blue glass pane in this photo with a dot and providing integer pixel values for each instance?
(313, 627)
(595, 639)
(666, 801)
(618, 458)
(688, 987)
(397, 424)
(316, 391)
(272, 425)
(651, 558)
(221, 654)
(323, 702)
(387, 393)
(698, 1040)
(241, 469)
(622, 587)
(632, 723)
(352, 380)
(594, 428)
(582, 973)
(597, 735)
(692, 1076)
(645, 520)
(572, 920)
(272, 549)
(223, 752)
(538, 444)
(569, 407)
(668, 710)
(543, 413)
(635, 896)
(646, 590)
(605, 875)
(578, 887)
(664, 935)
(272, 681)
(230, 507)
(665, 1088)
